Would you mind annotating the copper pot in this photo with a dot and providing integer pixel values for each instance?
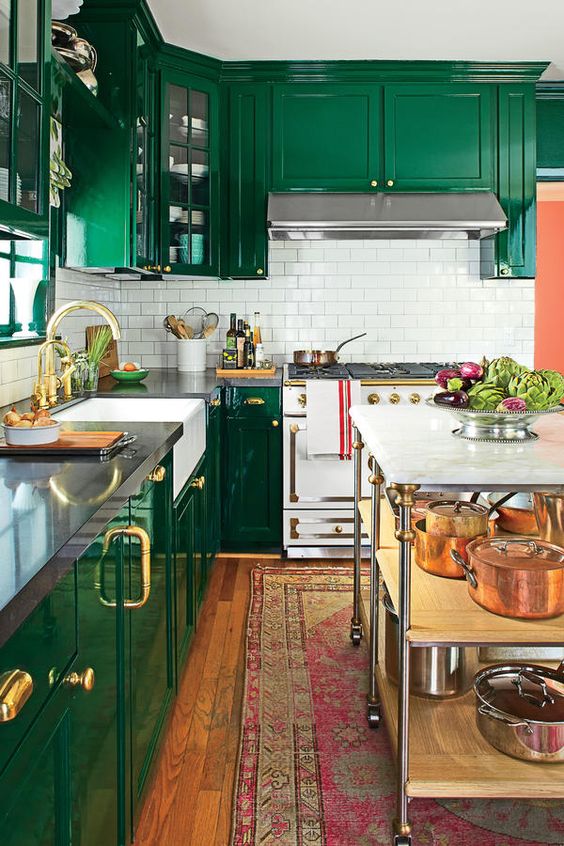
(517, 516)
(549, 513)
(432, 552)
(321, 358)
(520, 578)
(459, 519)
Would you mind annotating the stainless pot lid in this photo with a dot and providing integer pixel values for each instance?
(528, 692)
(519, 553)
(458, 508)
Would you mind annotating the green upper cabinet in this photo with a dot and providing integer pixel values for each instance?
(25, 39)
(245, 241)
(326, 137)
(438, 137)
(145, 176)
(189, 174)
(512, 253)
(550, 131)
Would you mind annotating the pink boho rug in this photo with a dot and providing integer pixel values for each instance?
(311, 772)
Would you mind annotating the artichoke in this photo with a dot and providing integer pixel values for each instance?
(534, 389)
(556, 383)
(500, 371)
(485, 396)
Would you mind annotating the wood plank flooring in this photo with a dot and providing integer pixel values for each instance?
(190, 800)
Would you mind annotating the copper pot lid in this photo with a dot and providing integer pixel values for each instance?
(458, 508)
(517, 553)
(525, 691)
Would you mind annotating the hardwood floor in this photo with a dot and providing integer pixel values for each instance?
(190, 800)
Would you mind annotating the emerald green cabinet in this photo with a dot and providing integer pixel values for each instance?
(189, 174)
(438, 137)
(326, 137)
(24, 115)
(213, 479)
(245, 251)
(145, 178)
(252, 468)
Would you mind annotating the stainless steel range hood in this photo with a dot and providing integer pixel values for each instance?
(308, 215)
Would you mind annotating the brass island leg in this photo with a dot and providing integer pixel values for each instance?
(356, 625)
(405, 535)
(373, 701)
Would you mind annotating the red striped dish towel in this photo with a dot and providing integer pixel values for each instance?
(329, 426)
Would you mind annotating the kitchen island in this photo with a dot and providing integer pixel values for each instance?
(439, 753)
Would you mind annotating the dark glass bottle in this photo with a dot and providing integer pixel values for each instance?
(240, 337)
(231, 336)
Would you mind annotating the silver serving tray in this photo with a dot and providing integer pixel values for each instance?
(494, 426)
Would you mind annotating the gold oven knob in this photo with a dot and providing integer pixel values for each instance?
(394, 398)
(338, 529)
(86, 680)
(373, 399)
(415, 398)
(302, 400)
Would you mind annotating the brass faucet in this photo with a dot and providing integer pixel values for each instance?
(47, 384)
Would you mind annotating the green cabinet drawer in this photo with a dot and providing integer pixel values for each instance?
(43, 647)
(252, 402)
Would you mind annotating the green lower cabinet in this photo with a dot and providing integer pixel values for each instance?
(213, 480)
(252, 482)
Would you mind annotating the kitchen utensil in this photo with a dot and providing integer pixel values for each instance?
(518, 517)
(549, 514)
(520, 710)
(185, 332)
(494, 426)
(432, 552)
(32, 436)
(321, 358)
(210, 324)
(194, 318)
(520, 577)
(457, 519)
(170, 323)
(192, 355)
(436, 672)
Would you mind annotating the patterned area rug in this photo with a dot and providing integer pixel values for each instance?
(311, 772)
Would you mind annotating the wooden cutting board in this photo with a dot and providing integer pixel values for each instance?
(251, 373)
(69, 443)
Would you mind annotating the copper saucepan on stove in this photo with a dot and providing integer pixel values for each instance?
(520, 578)
(321, 358)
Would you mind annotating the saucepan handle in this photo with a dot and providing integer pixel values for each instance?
(485, 711)
(468, 571)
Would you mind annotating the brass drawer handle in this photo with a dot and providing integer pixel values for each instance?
(16, 686)
(157, 474)
(141, 535)
(86, 680)
(215, 402)
(254, 401)
(199, 482)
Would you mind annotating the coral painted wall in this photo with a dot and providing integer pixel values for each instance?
(549, 291)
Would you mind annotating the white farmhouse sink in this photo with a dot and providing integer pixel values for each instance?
(191, 412)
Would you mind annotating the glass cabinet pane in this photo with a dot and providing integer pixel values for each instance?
(189, 237)
(5, 116)
(5, 20)
(199, 118)
(28, 64)
(27, 175)
(179, 175)
(178, 115)
(199, 178)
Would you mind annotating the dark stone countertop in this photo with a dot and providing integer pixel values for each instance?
(168, 382)
(52, 509)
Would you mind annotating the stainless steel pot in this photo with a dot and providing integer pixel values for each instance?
(520, 710)
(549, 511)
(437, 672)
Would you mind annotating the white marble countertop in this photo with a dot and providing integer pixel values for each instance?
(415, 445)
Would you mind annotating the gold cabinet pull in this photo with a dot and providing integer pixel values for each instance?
(373, 399)
(141, 535)
(254, 401)
(260, 271)
(394, 398)
(302, 400)
(389, 183)
(504, 271)
(215, 402)
(198, 482)
(86, 680)
(167, 268)
(157, 474)
(275, 424)
(16, 686)
(415, 399)
(373, 183)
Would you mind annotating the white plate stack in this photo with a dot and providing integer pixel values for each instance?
(4, 182)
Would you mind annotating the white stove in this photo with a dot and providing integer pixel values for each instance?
(318, 493)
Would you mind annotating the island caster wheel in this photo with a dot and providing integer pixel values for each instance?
(402, 840)
(373, 715)
(356, 634)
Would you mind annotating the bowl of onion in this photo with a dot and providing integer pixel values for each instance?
(32, 428)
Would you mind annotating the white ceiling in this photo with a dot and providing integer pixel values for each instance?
(480, 30)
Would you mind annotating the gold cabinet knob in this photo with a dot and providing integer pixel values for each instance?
(167, 268)
(389, 183)
(157, 474)
(373, 399)
(16, 686)
(260, 271)
(86, 680)
(216, 401)
(302, 400)
(338, 530)
(394, 398)
(275, 424)
(415, 399)
(199, 482)
(504, 271)
(373, 183)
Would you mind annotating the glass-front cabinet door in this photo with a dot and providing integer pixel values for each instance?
(145, 177)
(24, 90)
(190, 176)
